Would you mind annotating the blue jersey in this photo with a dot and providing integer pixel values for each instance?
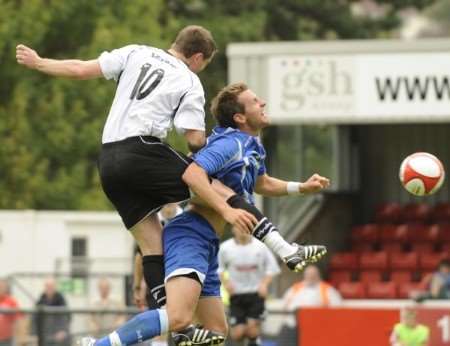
(235, 158)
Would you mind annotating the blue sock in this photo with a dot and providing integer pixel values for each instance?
(142, 327)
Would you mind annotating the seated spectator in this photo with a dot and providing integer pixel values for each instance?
(56, 325)
(435, 285)
(408, 332)
(8, 322)
(310, 291)
(105, 322)
(440, 281)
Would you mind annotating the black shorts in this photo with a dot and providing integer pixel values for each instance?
(140, 175)
(246, 306)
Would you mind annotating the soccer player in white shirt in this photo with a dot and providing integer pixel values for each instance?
(247, 267)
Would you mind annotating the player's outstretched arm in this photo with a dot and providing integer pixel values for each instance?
(273, 187)
(75, 69)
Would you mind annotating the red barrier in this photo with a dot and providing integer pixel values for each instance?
(438, 320)
(346, 327)
(368, 327)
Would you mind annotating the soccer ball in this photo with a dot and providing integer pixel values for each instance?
(422, 174)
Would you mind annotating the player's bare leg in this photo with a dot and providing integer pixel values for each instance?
(237, 332)
(211, 314)
(253, 331)
(148, 235)
(183, 301)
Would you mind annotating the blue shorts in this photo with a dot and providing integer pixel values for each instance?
(191, 246)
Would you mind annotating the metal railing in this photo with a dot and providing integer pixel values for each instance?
(58, 326)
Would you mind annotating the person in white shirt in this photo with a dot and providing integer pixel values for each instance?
(247, 267)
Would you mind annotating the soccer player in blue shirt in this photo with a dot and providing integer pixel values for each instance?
(235, 156)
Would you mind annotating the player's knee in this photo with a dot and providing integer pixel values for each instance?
(252, 328)
(179, 320)
(237, 333)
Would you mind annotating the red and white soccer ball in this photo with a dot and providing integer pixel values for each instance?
(422, 174)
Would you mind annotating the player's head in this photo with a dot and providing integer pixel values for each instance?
(196, 45)
(238, 107)
(241, 237)
(408, 316)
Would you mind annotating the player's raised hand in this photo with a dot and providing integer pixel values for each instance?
(27, 56)
(314, 184)
(240, 219)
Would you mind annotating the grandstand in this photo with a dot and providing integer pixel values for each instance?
(361, 107)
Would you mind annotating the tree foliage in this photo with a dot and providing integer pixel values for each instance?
(51, 128)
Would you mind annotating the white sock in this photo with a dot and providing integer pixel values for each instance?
(277, 244)
(114, 339)
(163, 321)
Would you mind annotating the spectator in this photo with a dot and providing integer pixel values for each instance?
(310, 291)
(408, 332)
(55, 325)
(440, 281)
(435, 285)
(105, 322)
(247, 267)
(8, 322)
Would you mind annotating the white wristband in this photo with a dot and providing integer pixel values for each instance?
(293, 188)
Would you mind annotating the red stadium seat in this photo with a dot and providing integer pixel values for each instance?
(373, 260)
(407, 261)
(441, 213)
(382, 290)
(424, 247)
(397, 233)
(445, 248)
(430, 261)
(422, 233)
(388, 213)
(416, 213)
(392, 247)
(339, 276)
(445, 233)
(369, 276)
(344, 260)
(352, 290)
(406, 288)
(362, 247)
(401, 276)
(365, 233)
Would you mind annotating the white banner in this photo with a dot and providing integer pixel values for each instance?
(359, 88)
